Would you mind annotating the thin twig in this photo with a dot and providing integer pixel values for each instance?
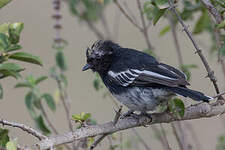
(176, 43)
(47, 118)
(218, 95)
(66, 105)
(144, 29)
(141, 139)
(126, 15)
(194, 136)
(99, 139)
(177, 136)
(95, 30)
(198, 51)
(165, 138)
(161, 140)
(215, 13)
(50, 123)
(105, 26)
(23, 127)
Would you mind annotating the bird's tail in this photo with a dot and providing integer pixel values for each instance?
(195, 95)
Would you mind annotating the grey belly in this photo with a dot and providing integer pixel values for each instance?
(142, 98)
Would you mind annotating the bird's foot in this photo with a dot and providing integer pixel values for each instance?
(129, 113)
(146, 115)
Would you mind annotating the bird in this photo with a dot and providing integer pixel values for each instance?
(137, 79)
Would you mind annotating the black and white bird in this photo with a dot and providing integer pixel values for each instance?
(137, 79)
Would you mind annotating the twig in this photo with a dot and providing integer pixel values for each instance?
(161, 138)
(126, 15)
(215, 13)
(47, 119)
(176, 43)
(50, 123)
(141, 139)
(66, 105)
(116, 25)
(116, 118)
(194, 136)
(198, 51)
(95, 30)
(23, 127)
(165, 138)
(144, 29)
(177, 136)
(105, 26)
(218, 95)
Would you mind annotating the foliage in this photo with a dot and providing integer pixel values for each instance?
(34, 98)
(4, 137)
(176, 107)
(9, 43)
(220, 143)
(87, 10)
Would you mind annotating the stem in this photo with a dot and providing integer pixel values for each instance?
(144, 29)
(23, 127)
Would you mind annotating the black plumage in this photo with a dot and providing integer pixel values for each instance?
(137, 79)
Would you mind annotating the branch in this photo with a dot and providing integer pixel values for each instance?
(23, 127)
(213, 11)
(202, 110)
(144, 29)
(198, 51)
(126, 15)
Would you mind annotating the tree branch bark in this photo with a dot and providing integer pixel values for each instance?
(23, 127)
(201, 110)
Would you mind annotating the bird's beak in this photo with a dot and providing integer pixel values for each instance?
(86, 67)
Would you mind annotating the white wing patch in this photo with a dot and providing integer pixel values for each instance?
(127, 77)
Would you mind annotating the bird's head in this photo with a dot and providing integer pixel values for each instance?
(99, 56)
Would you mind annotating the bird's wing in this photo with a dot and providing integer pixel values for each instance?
(160, 73)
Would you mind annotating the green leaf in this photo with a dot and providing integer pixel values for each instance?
(162, 4)
(4, 138)
(14, 47)
(11, 146)
(6, 73)
(26, 57)
(158, 14)
(14, 32)
(176, 106)
(10, 69)
(29, 100)
(76, 117)
(23, 84)
(10, 66)
(202, 24)
(221, 25)
(81, 117)
(164, 30)
(1, 91)
(4, 2)
(85, 116)
(222, 50)
(41, 125)
(4, 28)
(60, 60)
(50, 101)
(186, 70)
(4, 44)
(40, 79)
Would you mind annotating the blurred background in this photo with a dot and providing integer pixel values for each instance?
(38, 36)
